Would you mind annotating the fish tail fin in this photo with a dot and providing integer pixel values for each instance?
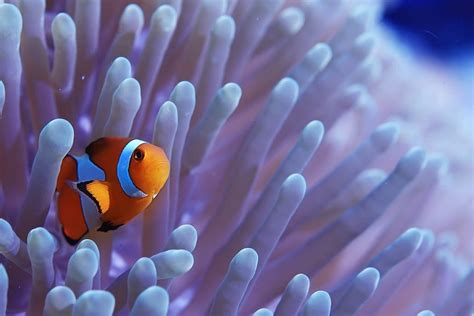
(70, 215)
(70, 240)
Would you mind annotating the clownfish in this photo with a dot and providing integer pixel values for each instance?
(115, 180)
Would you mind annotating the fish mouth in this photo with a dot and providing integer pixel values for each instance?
(154, 195)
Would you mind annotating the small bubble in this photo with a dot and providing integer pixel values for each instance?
(83, 77)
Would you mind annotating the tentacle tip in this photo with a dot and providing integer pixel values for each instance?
(185, 86)
(89, 244)
(322, 296)
(411, 163)
(129, 92)
(132, 19)
(40, 243)
(292, 19)
(98, 302)
(295, 184)
(313, 133)
(185, 237)
(57, 137)
(363, 15)
(144, 268)
(414, 235)
(245, 262)
(63, 26)
(165, 17)
(372, 176)
(154, 300)
(167, 112)
(224, 27)
(369, 278)
(218, 6)
(318, 303)
(300, 282)
(385, 135)
(120, 63)
(161, 294)
(83, 264)
(366, 182)
(288, 88)
(7, 236)
(172, 263)
(10, 20)
(364, 44)
(183, 90)
(186, 262)
(229, 96)
(320, 55)
(59, 298)
(232, 91)
(425, 313)
(263, 312)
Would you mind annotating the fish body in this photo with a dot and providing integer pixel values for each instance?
(115, 180)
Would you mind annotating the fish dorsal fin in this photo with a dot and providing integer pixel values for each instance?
(102, 143)
(96, 146)
(97, 191)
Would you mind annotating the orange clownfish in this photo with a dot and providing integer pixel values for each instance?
(116, 179)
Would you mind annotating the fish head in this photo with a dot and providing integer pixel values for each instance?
(149, 168)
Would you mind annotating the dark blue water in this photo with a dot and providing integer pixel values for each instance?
(441, 28)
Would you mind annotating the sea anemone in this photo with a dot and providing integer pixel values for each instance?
(293, 130)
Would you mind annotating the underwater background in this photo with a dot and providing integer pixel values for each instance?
(321, 155)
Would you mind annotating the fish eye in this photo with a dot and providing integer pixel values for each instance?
(138, 154)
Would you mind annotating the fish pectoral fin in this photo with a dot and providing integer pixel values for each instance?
(98, 191)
